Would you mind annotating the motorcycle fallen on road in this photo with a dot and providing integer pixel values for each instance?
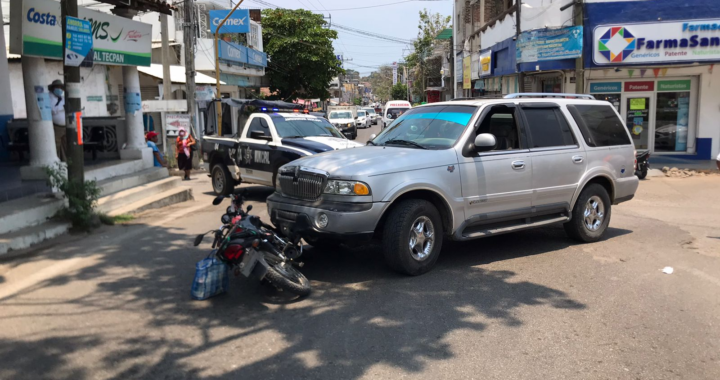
(253, 248)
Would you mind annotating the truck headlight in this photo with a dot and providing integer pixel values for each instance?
(349, 125)
(346, 188)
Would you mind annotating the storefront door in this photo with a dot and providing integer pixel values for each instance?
(639, 114)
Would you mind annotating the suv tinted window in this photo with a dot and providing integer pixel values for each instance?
(599, 125)
(257, 125)
(500, 122)
(548, 127)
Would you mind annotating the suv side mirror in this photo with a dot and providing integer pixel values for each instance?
(484, 142)
(259, 135)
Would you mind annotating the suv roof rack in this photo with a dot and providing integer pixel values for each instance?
(548, 95)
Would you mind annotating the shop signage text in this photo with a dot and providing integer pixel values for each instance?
(467, 69)
(549, 44)
(697, 40)
(605, 87)
(486, 63)
(238, 22)
(639, 86)
(116, 40)
(674, 85)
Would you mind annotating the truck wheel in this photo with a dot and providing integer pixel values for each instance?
(591, 215)
(222, 182)
(413, 237)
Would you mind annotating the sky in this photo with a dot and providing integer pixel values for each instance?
(377, 16)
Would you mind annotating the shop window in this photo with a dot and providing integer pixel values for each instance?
(614, 99)
(599, 125)
(671, 121)
(548, 128)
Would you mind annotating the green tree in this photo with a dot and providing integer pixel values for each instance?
(430, 25)
(357, 101)
(301, 59)
(399, 91)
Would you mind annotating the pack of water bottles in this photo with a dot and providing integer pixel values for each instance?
(211, 278)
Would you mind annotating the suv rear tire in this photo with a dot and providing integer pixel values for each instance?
(591, 214)
(412, 237)
(222, 181)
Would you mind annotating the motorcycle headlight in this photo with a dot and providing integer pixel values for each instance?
(339, 187)
(349, 124)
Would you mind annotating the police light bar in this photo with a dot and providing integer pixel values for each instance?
(293, 110)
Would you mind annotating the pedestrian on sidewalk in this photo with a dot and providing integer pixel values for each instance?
(152, 139)
(184, 151)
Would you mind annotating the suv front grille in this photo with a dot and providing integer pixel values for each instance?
(301, 184)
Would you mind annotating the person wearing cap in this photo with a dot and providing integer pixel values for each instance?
(57, 107)
(152, 139)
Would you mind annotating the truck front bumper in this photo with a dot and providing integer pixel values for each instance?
(346, 220)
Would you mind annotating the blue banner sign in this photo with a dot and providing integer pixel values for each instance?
(233, 52)
(549, 44)
(605, 87)
(238, 22)
(78, 42)
(257, 58)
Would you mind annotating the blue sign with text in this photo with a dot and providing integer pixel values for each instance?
(78, 42)
(257, 58)
(233, 52)
(605, 87)
(238, 22)
(549, 44)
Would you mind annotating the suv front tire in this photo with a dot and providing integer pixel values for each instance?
(591, 214)
(412, 237)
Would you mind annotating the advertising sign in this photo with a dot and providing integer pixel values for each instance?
(116, 40)
(658, 42)
(175, 121)
(238, 22)
(257, 58)
(549, 44)
(458, 68)
(233, 52)
(78, 42)
(639, 86)
(605, 87)
(467, 68)
(395, 68)
(674, 85)
(486, 63)
(475, 66)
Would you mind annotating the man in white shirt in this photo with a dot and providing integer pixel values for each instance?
(57, 106)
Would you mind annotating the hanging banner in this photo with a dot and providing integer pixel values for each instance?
(395, 72)
(115, 40)
(486, 63)
(458, 69)
(238, 22)
(657, 42)
(549, 44)
(467, 69)
(78, 42)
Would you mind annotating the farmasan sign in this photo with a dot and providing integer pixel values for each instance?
(679, 41)
(116, 40)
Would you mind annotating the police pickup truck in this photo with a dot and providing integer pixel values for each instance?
(274, 133)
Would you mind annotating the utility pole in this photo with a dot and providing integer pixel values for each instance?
(189, 44)
(167, 82)
(579, 13)
(518, 31)
(71, 74)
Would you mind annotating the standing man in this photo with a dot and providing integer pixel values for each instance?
(152, 139)
(57, 106)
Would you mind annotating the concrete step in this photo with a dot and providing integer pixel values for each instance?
(112, 169)
(166, 198)
(28, 236)
(116, 184)
(123, 198)
(28, 211)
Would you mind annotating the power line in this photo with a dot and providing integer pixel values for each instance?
(375, 6)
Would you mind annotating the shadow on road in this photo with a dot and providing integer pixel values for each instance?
(359, 315)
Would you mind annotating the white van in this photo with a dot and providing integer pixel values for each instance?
(393, 109)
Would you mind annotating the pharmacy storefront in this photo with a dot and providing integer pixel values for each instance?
(660, 75)
(658, 112)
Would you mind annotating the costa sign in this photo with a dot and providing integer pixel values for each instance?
(662, 42)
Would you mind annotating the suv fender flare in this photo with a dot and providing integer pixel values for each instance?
(401, 189)
(595, 174)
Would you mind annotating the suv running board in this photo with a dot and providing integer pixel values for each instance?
(473, 232)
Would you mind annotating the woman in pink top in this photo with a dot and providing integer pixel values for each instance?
(183, 152)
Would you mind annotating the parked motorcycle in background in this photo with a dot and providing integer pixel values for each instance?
(642, 163)
(252, 248)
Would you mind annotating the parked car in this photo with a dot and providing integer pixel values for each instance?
(275, 134)
(463, 170)
(362, 120)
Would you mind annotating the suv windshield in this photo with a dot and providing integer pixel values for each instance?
(370, 111)
(432, 127)
(305, 126)
(341, 115)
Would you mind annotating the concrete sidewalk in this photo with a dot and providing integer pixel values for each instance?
(658, 162)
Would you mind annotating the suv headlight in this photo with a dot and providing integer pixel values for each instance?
(346, 188)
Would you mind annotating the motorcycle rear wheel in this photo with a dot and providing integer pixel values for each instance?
(285, 276)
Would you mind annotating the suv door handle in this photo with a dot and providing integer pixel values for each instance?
(577, 159)
(517, 165)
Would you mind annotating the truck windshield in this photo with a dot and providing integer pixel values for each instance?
(341, 115)
(433, 127)
(304, 127)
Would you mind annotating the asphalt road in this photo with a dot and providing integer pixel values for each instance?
(116, 304)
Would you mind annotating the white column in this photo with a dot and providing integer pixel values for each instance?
(135, 148)
(41, 132)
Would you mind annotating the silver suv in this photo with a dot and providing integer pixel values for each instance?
(463, 170)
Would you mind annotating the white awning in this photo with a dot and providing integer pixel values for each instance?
(177, 74)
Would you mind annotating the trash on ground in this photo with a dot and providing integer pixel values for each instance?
(668, 270)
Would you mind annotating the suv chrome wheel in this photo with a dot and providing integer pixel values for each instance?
(594, 213)
(422, 236)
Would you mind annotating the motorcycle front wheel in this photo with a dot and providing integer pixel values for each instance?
(285, 276)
